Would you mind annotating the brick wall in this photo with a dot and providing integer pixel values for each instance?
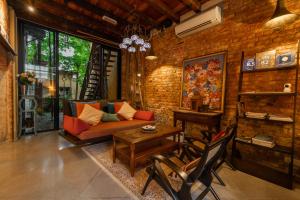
(242, 30)
(6, 94)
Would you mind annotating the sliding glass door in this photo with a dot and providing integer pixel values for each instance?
(61, 62)
(39, 56)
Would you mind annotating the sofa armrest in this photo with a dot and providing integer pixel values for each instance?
(144, 115)
(74, 126)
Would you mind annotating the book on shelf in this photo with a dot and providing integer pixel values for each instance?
(244, 139)
(280, 118)
(241, 109)
(264, 140)
(256, 115)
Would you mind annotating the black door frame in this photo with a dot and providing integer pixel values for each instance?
(21, 57)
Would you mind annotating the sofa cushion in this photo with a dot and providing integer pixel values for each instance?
(108, 128)
(74, 126)
(144, 115)
(127, 111)
(91, 115)
(80, 105)
(111, 108)
(73, 108)
(117, 106)
(108, 117)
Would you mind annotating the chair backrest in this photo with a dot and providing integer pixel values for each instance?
(212, 152)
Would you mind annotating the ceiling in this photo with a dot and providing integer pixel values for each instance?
(84, 17)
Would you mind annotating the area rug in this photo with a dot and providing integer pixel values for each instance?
(102, 155)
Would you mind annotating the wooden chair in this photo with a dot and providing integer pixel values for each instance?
(188, 151)
(200, 172)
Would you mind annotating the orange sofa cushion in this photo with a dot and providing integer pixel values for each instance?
(108, 128)
(144, 115)
(80, 106)
(117, 106)
(74, 125)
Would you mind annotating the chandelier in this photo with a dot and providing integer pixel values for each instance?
(135, 39)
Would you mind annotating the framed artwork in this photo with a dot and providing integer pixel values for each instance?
(286, 59)
(205, 77)
(265, 59)
(249, 64)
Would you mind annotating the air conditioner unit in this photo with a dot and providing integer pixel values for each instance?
(200, 22)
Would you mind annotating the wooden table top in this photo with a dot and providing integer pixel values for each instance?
(136, 135)
(199, 113)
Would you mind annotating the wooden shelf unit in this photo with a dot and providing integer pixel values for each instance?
(267, 93)
(271, 69)
(277, 148)
(7, 46)
(241, 162)
(266, 119)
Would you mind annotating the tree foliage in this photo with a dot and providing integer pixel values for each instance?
(73, 53)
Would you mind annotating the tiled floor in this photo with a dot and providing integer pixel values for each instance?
(47, 167)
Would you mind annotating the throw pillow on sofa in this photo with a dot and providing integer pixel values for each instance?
(118, 106)
(144, 115)
(127, 111)
(80, 106)
(91, 115)
(108, 117)
(110, 108)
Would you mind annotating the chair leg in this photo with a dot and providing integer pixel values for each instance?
(151, 176)
(230, 165)
(218, 177)
(203, 194)
(214, 193)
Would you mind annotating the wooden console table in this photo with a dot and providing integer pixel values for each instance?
(210, 119)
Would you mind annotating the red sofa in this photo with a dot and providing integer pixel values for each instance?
(78, 130)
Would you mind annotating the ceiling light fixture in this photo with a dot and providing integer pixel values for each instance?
(281, 15)
(135, 39)
(109, 20)
(31, 8)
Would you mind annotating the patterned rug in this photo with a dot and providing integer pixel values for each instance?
(102, 154)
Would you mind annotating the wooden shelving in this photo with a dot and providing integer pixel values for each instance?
(267, 93)
(277, 148)
(267, 119)
(239, 158)
(7, 46)
(270, 69)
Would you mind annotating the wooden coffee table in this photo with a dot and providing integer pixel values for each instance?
(137, 147)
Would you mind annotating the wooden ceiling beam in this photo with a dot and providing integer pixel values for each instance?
(163, 9)
(79, 18)
(178, 9)
(124, 6)
(99, 11)
(56, 22)
(193, 4)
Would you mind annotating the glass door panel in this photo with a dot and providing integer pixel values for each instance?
(39, 57)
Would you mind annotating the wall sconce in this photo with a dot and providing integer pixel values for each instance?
(281, 16)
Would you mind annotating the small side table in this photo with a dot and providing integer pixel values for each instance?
(27, 107)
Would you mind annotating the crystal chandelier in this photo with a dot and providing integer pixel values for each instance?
(135, 39)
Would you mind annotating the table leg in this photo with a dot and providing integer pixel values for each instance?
(114, 150)
(178, 143)
(132, 159)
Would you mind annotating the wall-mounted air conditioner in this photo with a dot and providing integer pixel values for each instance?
(200, 22)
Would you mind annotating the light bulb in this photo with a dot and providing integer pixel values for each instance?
(134, 37)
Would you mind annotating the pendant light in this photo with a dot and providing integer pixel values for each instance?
(281, 15)
(151, 55)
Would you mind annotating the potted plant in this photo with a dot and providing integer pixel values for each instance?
(25, 79)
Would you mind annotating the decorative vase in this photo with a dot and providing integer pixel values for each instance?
(23, 90)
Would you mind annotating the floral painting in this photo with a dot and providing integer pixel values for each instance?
(205, 77)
